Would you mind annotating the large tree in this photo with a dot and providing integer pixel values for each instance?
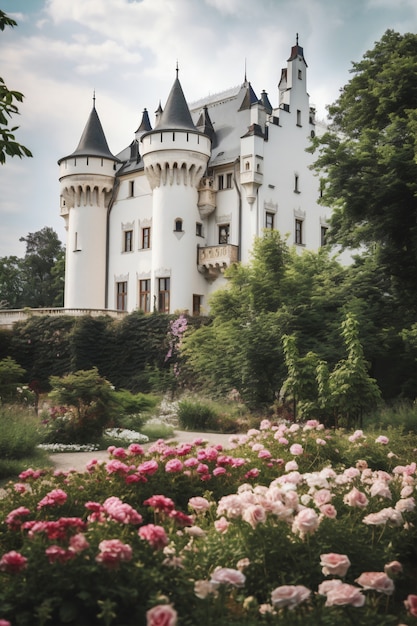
(8, 144)
(369, 158)
(37, 280)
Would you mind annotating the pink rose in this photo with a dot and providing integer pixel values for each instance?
(199, 504)
(382, 439)
(392, 568)
(53, 498)
(411, 604)
(78, 543)
(227, 576)
(343, 594)
(376, 581)
(121, 512)
(328, 510)
(305, 522)
(155, 535)
(289, 595)
(334, 564)
(4, 622)
(113, 552)
(254, 514)
(13, 562)
(173, 466)
(161, 615)
(221, 525)
(296, 449)
(356, 498)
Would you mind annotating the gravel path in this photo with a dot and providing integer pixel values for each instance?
(65, 461)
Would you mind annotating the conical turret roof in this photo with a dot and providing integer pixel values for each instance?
(93, 141)
(145, 124)
(176, 114)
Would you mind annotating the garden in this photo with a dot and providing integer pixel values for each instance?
(291, 523)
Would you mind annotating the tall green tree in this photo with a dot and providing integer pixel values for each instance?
(8, 107)
(11, 282)
(43, 265)
(369, 160)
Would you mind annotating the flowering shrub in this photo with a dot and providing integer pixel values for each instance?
(292, 524)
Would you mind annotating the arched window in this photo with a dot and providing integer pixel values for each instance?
(178, 225)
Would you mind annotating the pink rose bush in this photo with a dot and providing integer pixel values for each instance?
(271, 530)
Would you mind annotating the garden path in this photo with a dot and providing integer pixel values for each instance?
(65, 461)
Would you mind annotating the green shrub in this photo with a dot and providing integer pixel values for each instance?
(197, 416)
(19, 433)
(11, 376)
(402, 415)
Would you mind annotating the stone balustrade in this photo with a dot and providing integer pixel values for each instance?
(8, 317)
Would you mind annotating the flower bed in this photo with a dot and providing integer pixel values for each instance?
(291, 525)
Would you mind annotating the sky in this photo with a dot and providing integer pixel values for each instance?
(126, 51)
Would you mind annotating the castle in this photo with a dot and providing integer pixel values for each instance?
(154, 227)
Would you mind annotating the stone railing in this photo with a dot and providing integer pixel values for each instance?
(8, 317)
(213, 260)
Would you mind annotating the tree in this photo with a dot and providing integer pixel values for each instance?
(369, 159)
(43, 263)
(8, 144)
(11, 282)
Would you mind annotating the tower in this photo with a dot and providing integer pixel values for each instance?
(175, 156)
(87, 179)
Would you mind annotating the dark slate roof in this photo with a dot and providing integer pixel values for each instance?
(249, 98)
(145, 124)
(204, 124)
(176, 114)
(297, 51)
(93, 141)
(266, 103)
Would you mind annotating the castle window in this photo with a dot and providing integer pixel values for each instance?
(247, 166)
(77, 247)
(145, 295)
(197, 304)
(229, 181)
(323, 235)
(178, 225)
(299, 232)
(224, 233)
(131, 188)
(199, 229)
(296, 183)
(146, 238)
(298, 117)
(269, 220)
(220, 182)
(163, 294)
(127, 241)
(121, 296)
(300, 74)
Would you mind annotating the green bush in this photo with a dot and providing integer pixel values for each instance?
(402, 415)
(194, 415)
(19, 433)
(11, 376)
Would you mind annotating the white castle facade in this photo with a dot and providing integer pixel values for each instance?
(154, 227)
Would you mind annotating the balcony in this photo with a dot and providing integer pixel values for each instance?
(213, 260)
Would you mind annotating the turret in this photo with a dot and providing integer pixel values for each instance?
(87, 179)
(175, 156)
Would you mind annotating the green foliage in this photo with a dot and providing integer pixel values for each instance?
(402, 415)
(11, 376)
(368, 157)
(19, 435)
(90, 402)
(194, 415)
(37, 280)
(8, 144)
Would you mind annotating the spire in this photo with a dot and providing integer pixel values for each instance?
(266, 103)
(145, 124)
(297, 51)
(176, 114)
(93, 141)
